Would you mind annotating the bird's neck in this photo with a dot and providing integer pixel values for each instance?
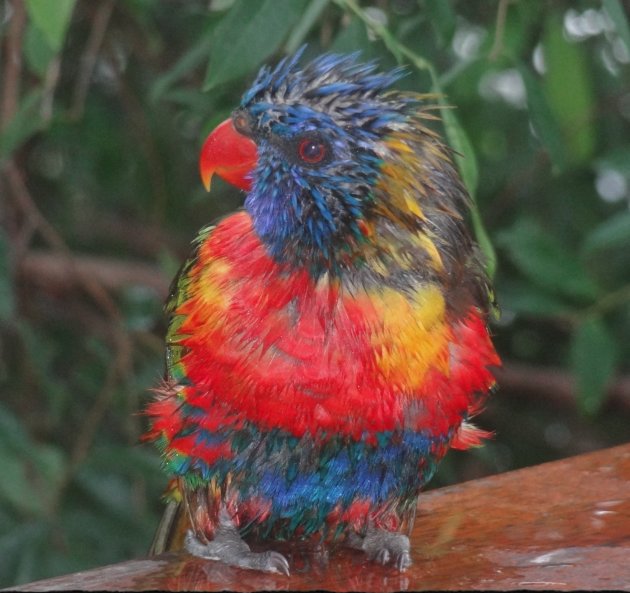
(306, 240)
(366, 251)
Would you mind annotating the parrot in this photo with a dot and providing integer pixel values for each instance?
(328, 342)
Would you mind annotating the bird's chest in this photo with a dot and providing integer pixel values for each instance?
(285, 351)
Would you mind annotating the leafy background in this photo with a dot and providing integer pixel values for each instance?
(103, 106)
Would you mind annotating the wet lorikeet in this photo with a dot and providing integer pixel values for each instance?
(327, 343)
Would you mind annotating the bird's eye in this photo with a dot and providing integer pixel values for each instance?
(241, 123)
(312, 150)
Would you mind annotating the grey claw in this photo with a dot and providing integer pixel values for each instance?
(227, 547)
(194, 546)
(382, 556)
(275, 562)
(403, 562)
(384, 547)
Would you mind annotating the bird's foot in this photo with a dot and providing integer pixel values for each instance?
(383, 547)
(228, 547)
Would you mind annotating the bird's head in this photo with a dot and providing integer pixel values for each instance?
(335, 163)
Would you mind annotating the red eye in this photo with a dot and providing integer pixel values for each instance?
(312, 151)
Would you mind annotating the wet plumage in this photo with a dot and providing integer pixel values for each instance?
(327, 344)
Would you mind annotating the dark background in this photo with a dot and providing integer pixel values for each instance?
(103, 108)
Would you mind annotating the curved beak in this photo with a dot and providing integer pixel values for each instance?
(229, 154)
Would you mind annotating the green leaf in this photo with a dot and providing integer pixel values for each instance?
(528, 299)
(249, 34)
(31, 471)
(110, 492)
(485, 244)
(30, 482)
(17, 546)
(593, 359)
(467, 165)
(351, 38)
(569, 91)
(614, 233)
(26, 122)
(15, 489)
(307, 22)
(443, 18)
(543, 119)
(37, 50)
(13, 437)
(464, 152)
(188, 62)
(617, 15)
(545, 261)
(52, 18)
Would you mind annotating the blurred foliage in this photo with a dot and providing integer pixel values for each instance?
(103, 106)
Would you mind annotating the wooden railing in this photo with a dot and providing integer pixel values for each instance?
(562, 525)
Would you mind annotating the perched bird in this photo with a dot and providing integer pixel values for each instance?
(327, 344)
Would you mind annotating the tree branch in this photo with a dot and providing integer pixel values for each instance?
(50, 271)
(13, 64)
(89, 57)
(554, 385)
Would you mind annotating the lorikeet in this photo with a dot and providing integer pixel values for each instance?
(327, 344)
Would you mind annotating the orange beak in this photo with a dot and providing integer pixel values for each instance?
(229, 154)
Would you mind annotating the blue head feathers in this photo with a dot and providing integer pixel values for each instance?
(318, 129)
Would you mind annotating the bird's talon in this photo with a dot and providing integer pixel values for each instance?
(276, 562)
(383, 547)
(403, 561)
(382, 557)
(229, 548)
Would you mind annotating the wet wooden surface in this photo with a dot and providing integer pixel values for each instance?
(562, 525)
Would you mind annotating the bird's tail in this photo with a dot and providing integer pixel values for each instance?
(171, 531)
